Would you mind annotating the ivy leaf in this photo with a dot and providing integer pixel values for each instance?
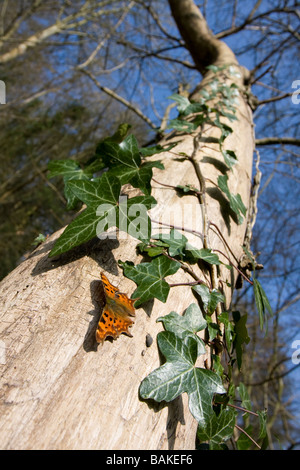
(195, 108)
(262, 424)
(262, 302)
(149, 151)
(124, 153)
(210, 299)
(229, 157)
(212, 327)
(182, 125)
(235, 201)
(175, 240)
(125, 162)
(186, 107)
(244, 442)
(225, 130)
(120, 133)
(243, 392)
(72, 200)
(104, 210)
(228, 329)
(187, 325)
(179, 375)
(218, 429)
(100, 191)
(182, 102)
(39, 239)
(150, 278)
(153, 249)
(203, 253)
(188, 188)
(81, 230)
(241, 335)
(68, 169)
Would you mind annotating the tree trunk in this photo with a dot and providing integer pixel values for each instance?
(59, 389)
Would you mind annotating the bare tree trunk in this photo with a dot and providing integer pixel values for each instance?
(59, 390)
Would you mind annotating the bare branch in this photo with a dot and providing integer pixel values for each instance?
(119, 98)
(274, 98)
(278, 141)
(73, 21)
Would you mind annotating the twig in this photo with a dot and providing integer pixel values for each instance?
(235, 267)
(195, 232)
(223, 239)
(246, 434)
(119, 98)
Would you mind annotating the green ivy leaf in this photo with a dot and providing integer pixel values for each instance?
(243, 392)
(196, 108)
(179, 375)
(203, 253)
(218, 429)
(229, 157)
(217, 365)
(81, 230)
(68, 169)
(125, 162)
(120, 133)
(241, 335)
(225, 130)
(212, 327)
(182, 125)
(262, 424)
(228, 329)
(235, 201)
(152, 251)
(187, 325)
(150, 278)
(149, 151)
(262, 302)
(100, 191)
(175, 240)
(210, 299)
(72, 200)
(188, 188)
(39, 239)
(103, 211)
(244, 442)
(182, 102)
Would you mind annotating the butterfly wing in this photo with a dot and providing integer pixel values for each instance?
(115, 318)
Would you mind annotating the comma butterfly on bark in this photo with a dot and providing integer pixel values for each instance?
(118, 309)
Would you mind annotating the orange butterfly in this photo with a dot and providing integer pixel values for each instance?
(118, 309)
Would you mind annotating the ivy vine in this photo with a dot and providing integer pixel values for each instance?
(118, 160)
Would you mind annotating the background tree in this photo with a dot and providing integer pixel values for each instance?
(131, 54)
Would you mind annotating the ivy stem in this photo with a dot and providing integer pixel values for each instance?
(202, 200)
(223, 239)
(235, 267)
(195, 232)
(244, 432)
(196, 191)
(187, 269)
(245, 410)
(164, 184)
(201, 193)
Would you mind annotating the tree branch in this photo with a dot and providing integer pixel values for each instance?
(119, 98)
(278, 141)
